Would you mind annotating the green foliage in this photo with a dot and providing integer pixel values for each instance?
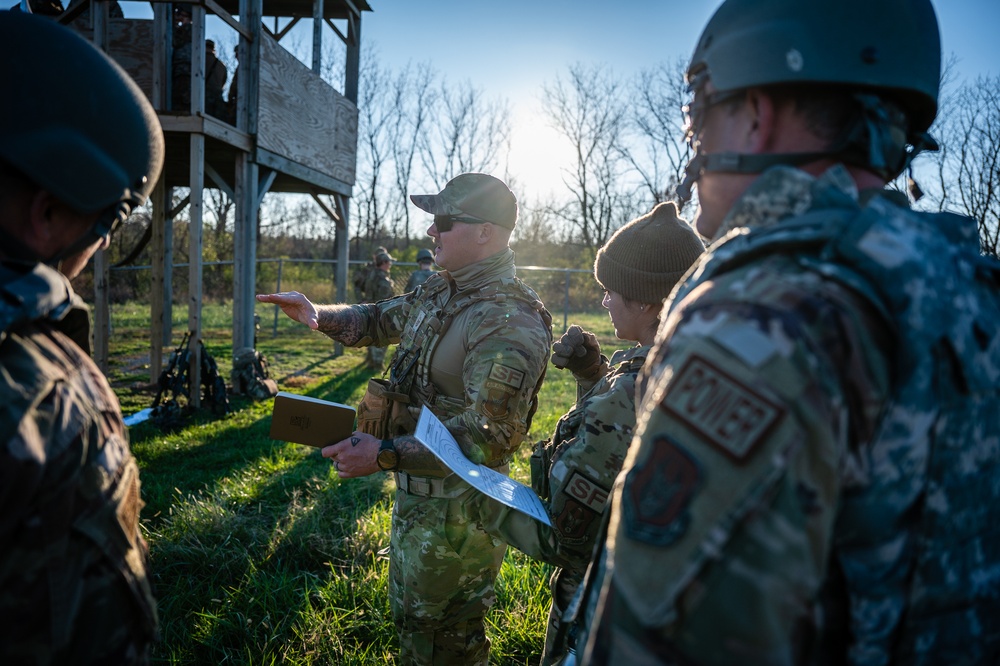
(260, 553)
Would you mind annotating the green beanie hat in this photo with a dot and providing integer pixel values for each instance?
(644, 259)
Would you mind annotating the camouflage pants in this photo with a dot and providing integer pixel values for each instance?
(564, 584)
(441, 573)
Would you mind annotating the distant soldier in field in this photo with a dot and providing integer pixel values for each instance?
(473, 347)
(419, 276)
(378, 287)
(362, 274)
(80, 147)
(814, 478)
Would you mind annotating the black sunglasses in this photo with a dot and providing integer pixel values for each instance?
(446, 222)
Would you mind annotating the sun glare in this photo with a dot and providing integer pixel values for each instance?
(538, 156)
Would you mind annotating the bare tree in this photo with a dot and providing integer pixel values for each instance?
(414, 99)
(588, 110)
(977, 158)
(376, 118)
(966, 169)
(656, 149)
(467, 133)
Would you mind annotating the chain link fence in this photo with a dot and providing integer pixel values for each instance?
(563, 290)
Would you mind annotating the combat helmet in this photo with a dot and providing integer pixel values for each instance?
(887, 53)
(423, 254)
(74, 123)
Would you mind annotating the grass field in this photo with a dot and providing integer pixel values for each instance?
(260, 554)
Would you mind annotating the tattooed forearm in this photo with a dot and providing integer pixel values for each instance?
(340, 322)
(414, 457)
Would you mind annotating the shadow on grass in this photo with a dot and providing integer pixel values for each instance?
(246, 566)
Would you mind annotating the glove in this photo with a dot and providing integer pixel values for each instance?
(579, 352)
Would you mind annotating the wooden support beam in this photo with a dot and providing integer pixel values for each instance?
(159, 322)
(228, 18)
(333, 26)
(195, 251)
(326, 208)
(352, 66)
(102, 262)
(219, 181)
(317, 46)
(278, 34)
(264, 185)
(181, 205)
(161, 54)
(342, 251)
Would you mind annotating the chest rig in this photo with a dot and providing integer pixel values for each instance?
(429, 313)
(548, 452)
(941, 413)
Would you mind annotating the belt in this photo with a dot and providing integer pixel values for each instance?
(436, 487)
(428, 486)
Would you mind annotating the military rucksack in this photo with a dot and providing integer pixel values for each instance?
(169, 410)
(251, 375)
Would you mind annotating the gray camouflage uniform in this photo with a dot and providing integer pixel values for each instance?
(74, 582)
(479, 370)
(814, 474)
(417, 278)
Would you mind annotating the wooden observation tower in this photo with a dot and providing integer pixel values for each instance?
(291, 132)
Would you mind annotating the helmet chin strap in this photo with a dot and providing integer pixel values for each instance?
(105, 225)
(738, 163)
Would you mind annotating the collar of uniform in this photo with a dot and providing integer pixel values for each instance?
(782, 192)
(490, 269)
(623, 355)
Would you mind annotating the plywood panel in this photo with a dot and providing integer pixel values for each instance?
(130, 43)
(302, 118)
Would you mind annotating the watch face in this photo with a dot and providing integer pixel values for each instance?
(387, 459)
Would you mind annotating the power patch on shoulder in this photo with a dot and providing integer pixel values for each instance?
(727, 413)
(657, 494)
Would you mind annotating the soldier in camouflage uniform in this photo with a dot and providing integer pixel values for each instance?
(473, 347)
(74, 161)
(362, 274)
(574, 469)
(378, 287)
(814, 474)
(419, 276)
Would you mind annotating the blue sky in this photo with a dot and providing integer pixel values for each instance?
(514, 45)
(509, 49)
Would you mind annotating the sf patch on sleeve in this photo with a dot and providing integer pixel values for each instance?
(502, 384)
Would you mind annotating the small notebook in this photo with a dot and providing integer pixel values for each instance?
(306, 420)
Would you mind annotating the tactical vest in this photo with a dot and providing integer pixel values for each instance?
(103, 507)
(946, 354)
(426, 324)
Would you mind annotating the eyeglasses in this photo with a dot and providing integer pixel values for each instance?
(696, 110)
(446, 222)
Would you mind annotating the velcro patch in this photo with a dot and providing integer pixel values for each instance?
(496, 402)
(573, 522)
(585, 491)
(727, 413)
(507, 375)
(658, 492)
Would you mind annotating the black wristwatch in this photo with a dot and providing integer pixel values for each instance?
(388, 457)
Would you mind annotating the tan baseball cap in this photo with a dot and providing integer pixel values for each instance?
(477, 195)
